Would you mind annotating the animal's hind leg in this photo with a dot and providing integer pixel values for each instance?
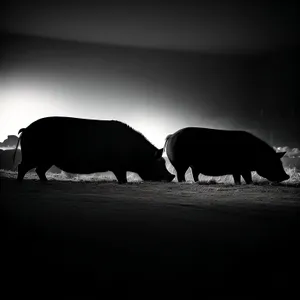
(181, 172)
(41, 171)
(23, 168)
(247, 176)
(195, 173)
(180, 168)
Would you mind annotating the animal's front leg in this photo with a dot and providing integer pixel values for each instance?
(247, 176)
(237, 178)
(121, 176)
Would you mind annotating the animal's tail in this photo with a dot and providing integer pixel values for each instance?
(167, 138)
(14, 156)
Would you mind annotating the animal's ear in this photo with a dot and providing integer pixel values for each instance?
(159, 153)
(280, 154)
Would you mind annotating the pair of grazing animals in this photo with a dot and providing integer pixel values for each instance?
(86, 146)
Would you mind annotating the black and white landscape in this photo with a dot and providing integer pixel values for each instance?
(158, 67)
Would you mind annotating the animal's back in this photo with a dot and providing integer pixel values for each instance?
(196, 141)
(76, 134)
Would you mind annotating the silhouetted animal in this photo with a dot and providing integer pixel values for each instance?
(112, 146)
(215, 152)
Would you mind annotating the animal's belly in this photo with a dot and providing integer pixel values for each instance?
(83, 166)
(216, 172)
(81, 169)
(219, 167)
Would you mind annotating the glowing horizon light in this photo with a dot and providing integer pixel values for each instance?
(21, 103)
(26, 99)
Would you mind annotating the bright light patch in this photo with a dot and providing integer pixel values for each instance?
(21, 103)
(152, 127)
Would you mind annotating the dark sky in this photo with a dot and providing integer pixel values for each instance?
(156, 67)
(199, 25)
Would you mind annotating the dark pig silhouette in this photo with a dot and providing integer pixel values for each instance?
(216, 152)
(86, 146)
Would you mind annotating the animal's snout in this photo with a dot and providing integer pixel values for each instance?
(283, 178)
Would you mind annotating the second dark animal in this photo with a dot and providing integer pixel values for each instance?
(215, 152)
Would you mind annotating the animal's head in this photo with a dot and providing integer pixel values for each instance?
(272, 169)
(156, 169)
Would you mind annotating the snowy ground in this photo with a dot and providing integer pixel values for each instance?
(92, 236)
